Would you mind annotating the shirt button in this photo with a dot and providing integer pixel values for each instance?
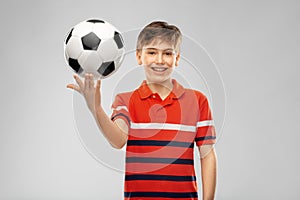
(154, 96)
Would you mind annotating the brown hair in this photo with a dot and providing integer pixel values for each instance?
(159, 30)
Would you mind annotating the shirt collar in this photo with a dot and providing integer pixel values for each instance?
(177, 91)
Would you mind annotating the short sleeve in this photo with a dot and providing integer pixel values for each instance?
(120, 108)
(205, 130)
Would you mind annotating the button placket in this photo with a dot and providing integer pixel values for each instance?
(167, 101)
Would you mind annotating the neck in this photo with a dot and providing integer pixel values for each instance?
(163, 89)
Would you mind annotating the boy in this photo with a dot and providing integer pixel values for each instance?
(160, 122)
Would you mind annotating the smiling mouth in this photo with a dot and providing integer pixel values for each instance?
(159, 69)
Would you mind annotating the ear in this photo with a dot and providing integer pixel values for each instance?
(177, 59)
(138, 56)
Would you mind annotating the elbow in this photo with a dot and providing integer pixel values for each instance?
(118, 146)
(120, 142)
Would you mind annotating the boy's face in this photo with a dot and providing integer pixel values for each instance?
(159, 59)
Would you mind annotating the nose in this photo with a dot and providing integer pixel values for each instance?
(159, 58)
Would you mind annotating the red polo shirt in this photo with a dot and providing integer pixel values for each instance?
(162, 134)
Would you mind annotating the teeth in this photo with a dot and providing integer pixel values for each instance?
(159, 69)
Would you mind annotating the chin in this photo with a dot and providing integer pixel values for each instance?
(159, 80)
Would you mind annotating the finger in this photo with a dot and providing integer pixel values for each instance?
(89, 81)
(74, 87)
(86, 81)
(92, 84)
(97, 93)
(98, 85)
(78, 81)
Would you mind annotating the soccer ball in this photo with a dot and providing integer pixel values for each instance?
(94, 46)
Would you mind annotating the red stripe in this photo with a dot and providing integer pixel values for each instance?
(157, 168)
(156, 186)
(206, 131)
(206, 142)
(160, 152)
(168, 135)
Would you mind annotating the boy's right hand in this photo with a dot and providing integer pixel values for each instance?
(89, 90)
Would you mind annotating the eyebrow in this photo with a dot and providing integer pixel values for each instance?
(168, 49)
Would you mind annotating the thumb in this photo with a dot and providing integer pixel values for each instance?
(73, 87)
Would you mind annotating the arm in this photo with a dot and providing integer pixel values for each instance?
(208, 171)
(115, 132)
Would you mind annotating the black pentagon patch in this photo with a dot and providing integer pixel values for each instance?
(106, 68)
(90, 41)
(95, 21)
(118, 39)
(69, 36)
(75, 65)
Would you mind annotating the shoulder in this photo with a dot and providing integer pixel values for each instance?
(198, 94)
(122, 98)
(188, 92)
(126, 96)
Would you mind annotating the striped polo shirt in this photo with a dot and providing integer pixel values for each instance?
(161, 139)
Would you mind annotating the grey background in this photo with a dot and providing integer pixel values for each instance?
(255, 45)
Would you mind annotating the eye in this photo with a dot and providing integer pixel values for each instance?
(151, 52)
(169, 53)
